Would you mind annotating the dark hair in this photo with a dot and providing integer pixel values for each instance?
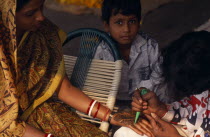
(125, 7)
(21, 3)
(186, 64)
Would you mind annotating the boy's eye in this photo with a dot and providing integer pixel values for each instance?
(132, 21)
(119, 22)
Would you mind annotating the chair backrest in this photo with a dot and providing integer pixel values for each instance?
(99, 79)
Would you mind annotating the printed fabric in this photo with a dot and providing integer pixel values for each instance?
(10, 125)
(192, 115)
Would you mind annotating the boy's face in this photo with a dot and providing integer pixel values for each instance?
(123, 28)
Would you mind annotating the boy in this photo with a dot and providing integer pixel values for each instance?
(139, 52)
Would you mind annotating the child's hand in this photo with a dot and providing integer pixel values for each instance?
(137, 102)
(161, 128)
(148, 103)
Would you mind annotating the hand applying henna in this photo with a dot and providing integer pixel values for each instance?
(148, 103)
(142, 91)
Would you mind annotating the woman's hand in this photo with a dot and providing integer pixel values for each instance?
(161, 128)
(148, 103)
(126, 119)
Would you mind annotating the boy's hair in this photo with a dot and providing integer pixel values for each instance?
(186, 64)
(125, 7)
(21, 3)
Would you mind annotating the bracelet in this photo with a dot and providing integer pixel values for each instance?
(110, 116)
(97, 110)
(48, 135)
(91, 108)
(108, 110)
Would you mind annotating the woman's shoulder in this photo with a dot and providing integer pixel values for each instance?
(49, 30)
(48, 25)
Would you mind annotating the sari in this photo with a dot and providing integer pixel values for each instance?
(8, 62)
(30, 74)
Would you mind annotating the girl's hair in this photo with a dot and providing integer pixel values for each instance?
(186, 64)
(21, 3)
(125, 7)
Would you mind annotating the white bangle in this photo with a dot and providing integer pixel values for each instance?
(49, 135)
(91, 108)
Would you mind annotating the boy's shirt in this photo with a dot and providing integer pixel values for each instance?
(192, 115)
(143, 69)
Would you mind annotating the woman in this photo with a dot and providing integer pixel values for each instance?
(32, 71)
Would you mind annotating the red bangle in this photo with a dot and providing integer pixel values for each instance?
(108, 110)
(48, 135)
(89, 106)
(97, 110)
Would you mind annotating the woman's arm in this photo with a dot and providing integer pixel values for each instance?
(78, 100)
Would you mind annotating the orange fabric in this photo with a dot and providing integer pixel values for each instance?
(88, 3)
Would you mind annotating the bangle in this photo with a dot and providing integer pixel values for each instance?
(110, 116)
(91, 108)
(97, 110)
(108, 110)
(48, 135)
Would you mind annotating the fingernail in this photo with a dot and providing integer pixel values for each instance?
(153, 115)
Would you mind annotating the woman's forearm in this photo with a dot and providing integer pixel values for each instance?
(78, 100)
(33, 132)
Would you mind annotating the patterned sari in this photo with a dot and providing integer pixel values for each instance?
(30, 74)
(9, 124)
